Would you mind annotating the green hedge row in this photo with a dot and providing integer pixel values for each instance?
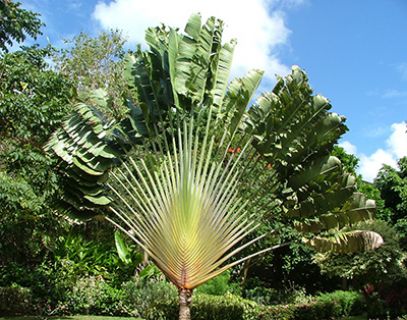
(335, 305)
(158, 301)
(16, 300)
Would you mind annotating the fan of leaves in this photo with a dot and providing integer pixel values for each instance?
(289, 133)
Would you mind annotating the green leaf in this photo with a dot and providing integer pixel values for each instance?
(348, 242)
(122, 249)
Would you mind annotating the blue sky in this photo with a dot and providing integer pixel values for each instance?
(354, 52)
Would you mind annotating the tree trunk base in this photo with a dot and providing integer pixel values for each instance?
(185, 298)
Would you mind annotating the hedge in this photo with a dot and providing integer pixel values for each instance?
(15, 300)
(158, 301)
(335, 305)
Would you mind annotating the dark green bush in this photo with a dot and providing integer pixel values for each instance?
(278, 312)
(226, 307)
(335, 305)
(272, 296)
(159, 301)
(219, 286)
(15, 300)
(343, 303)
(94, 296)
(151, 300)
(262, 295)
(315, 311)
(376, 306)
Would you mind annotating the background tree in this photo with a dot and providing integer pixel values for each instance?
(349, 161)
(381, 274)
(392, 184)
(33, 102)
(41, 247)
(385, 264)
(96, 63)
(16, 23)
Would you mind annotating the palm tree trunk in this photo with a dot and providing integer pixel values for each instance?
(185, 298)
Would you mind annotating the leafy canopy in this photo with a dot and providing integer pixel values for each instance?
(95, 62)
(392, 184)
(16, 24)
(33, 103)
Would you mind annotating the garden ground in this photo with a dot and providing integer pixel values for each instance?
(108, 318)
(70, 318)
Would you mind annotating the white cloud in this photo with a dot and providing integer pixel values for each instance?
(348, 147)
(396, 149)
(397, 141)
(370, 165)
(258, 25)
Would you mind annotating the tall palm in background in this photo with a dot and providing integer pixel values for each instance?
(196, 170)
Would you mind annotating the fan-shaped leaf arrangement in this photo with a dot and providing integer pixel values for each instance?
(183, 206)
(197, 168)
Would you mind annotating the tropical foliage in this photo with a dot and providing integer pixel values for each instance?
(16, 24)
(95, 63)
(33, 103)
(188, 162)
(304, 177)
(392, 184)
(384, 264)
(203, 156)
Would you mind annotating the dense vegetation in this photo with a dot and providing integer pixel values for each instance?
(59, 256)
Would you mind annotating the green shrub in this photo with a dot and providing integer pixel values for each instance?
(271, 296)
(94, 296)
(151, 300)
(278, 312)
(262, 295)
(335, 305)
(219, 286)
(370, 266)
(343, 303)
(376, 306)
(314, 311)
(226, 307)
(15, 300)
(159, 301)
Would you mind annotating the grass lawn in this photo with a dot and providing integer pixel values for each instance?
(363, 317)
(110, 318)
(70, 318)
